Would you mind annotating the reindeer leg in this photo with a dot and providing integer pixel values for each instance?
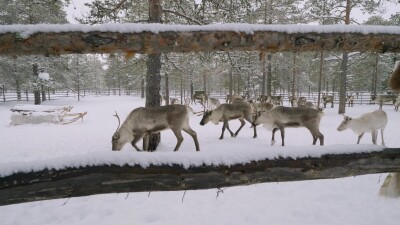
(374, 135)
(383, 141)
(194, 136)
(273, 135)
(241, 125)
(282, 129)
(359, 138)
(179, 138)
(223, 130)
(136, 138)
(229, 129)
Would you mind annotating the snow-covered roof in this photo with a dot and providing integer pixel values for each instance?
(27, 30)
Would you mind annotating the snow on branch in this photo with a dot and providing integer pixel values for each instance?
(64, 182)
(161, 38)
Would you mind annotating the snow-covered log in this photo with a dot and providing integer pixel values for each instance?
(159, 38)
(100, 179)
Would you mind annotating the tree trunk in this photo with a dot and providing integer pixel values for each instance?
(343, 67)
(321, 66)
(166, 89)
(375, 76)
(153, 78)
(36, 89)
(43, 93)
(343, 76)
(269, 75)
(294, 76)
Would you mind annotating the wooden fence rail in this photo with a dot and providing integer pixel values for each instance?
(100, 179)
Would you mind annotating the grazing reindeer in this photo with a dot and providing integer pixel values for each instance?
(213, 103)
(142, 122)
(328, 99)
(281, 117)
(226, 112)
(350, 100)
(380, 99)
(368, 122)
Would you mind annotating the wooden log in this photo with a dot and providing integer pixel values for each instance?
(74, 182)
(139, 38)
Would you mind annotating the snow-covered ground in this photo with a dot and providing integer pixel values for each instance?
(351, 200)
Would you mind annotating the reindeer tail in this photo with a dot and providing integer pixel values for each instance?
(394, 80)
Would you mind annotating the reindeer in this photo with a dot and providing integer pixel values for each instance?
(213, 103)
(174, 101)
(275, 99)
(281, 117)
(260, 106)
(200, 97)
(262, 98)
(350, 100)
(187, 101)
(301, 101)
(235, 98)
(308, 104)
(328, 99)
(142, 122)
(396, 104)
(368, 122)
(226, 112)
(380, 99)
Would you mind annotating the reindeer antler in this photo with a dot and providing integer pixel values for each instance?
(119, 121)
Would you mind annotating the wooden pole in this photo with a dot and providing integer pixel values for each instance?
(100, 179)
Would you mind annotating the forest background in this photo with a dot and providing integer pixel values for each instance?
(217, 73)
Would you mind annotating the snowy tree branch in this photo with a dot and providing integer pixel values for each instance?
(100, 179)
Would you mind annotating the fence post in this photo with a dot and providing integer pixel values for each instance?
(27, 95)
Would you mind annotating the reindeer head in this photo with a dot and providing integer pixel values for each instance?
(206, 118)
(344, 124)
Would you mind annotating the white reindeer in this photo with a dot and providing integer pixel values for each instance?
(368, 122)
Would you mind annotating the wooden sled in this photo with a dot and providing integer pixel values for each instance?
(35, 114)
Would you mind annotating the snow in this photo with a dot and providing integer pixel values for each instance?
(44, 76)
(25, 31)
(352, 200)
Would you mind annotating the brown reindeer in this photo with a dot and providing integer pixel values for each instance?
(142, 122)
(226, 112)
